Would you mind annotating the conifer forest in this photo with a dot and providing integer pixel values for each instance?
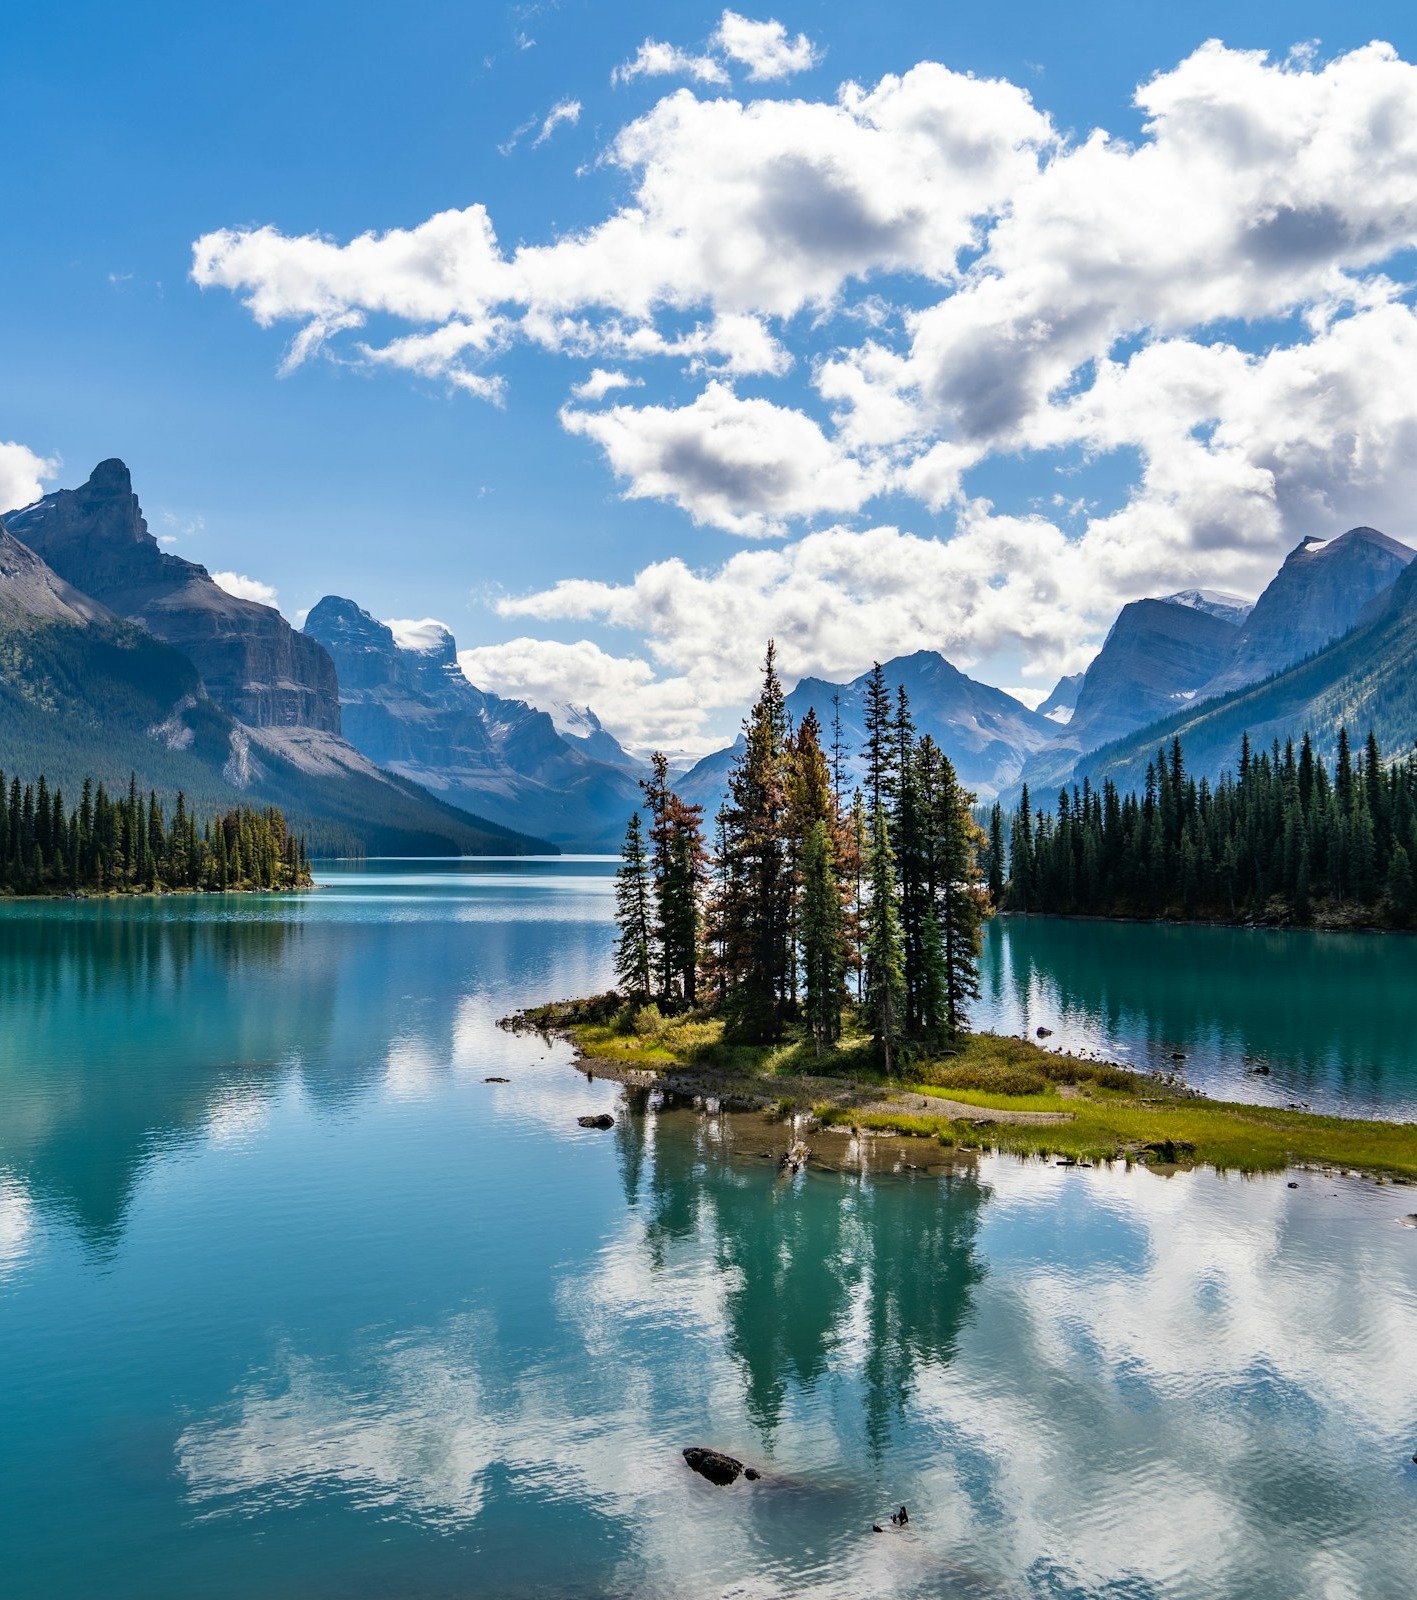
(807, 904)
(1281, 839)
(126, 843)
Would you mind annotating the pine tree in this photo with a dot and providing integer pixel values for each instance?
(756, 918)
(634, 949)
(885, 956)
(823, 946)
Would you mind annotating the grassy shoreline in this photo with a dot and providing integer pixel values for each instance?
(994, 1093)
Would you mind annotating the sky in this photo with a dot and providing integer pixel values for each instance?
(619, 338)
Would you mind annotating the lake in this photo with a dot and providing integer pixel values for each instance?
(294, 1304)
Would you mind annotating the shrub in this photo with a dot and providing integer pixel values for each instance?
(649, 1022)
(988, 1077)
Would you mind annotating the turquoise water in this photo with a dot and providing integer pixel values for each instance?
(1332, 1015)
(294, 1304)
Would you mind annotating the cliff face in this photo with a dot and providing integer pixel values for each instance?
(1317, 595)
(252, 662)
(412, 710)
(1158, 657)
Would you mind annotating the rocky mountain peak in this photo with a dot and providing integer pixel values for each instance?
(253, 663)
(1321, 591)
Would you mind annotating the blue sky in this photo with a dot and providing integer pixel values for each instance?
(133, 132)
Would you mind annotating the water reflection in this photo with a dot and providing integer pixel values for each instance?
(1334, 1016)
(125, 1028)
(361, 1323)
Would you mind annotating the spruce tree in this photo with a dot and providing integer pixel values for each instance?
(823, 946)
(756, 917)
(634, 949)
(885, 956)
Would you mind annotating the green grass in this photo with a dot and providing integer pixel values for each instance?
(1113, 1113)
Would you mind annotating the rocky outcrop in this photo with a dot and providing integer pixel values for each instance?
(410, 708)
(32, 592)
(251, 661)
(1319, 593)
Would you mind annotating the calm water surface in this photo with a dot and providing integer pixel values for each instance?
(294, 1304)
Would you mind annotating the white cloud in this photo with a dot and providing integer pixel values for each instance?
(834, 601)
(764, 47)
(563, 111)
(602, 382)
(426, 635)
(641, 710)
(245, 588)
(743, 465)
(655, 59)
(1091, 296)
(22, 475)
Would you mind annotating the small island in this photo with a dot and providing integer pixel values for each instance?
(820, 962)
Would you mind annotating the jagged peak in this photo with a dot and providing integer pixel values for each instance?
(110, 477)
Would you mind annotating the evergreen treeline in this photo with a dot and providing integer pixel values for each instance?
(1280, 839)
(806, 905)
(127, 843)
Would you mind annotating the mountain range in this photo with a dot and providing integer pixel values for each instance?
(1316, 650)
(118, 656)
(411, 709)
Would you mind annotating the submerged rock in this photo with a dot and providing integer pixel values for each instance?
(496, 1080)
(604, 1120)
(796, 1157)
(1045, 1033)
(715, 1466)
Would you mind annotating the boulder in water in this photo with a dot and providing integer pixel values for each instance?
(714, 1465)
(604, 1120)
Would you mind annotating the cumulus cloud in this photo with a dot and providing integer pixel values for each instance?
(951, 281)
(245, 588)
(643, 710)
(22, 475)
(602, 382)
(764, 48)
(741, 464)
(834, 601)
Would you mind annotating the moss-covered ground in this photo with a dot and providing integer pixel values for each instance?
(1029, 1100)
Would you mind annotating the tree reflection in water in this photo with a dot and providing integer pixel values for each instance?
(826, 1272)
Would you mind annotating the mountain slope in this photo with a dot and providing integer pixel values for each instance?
(1365, 680)
(253, 663)
(86, 694)
(1158, 654)
(1316, 596)
(984, 731)
(413, 711)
